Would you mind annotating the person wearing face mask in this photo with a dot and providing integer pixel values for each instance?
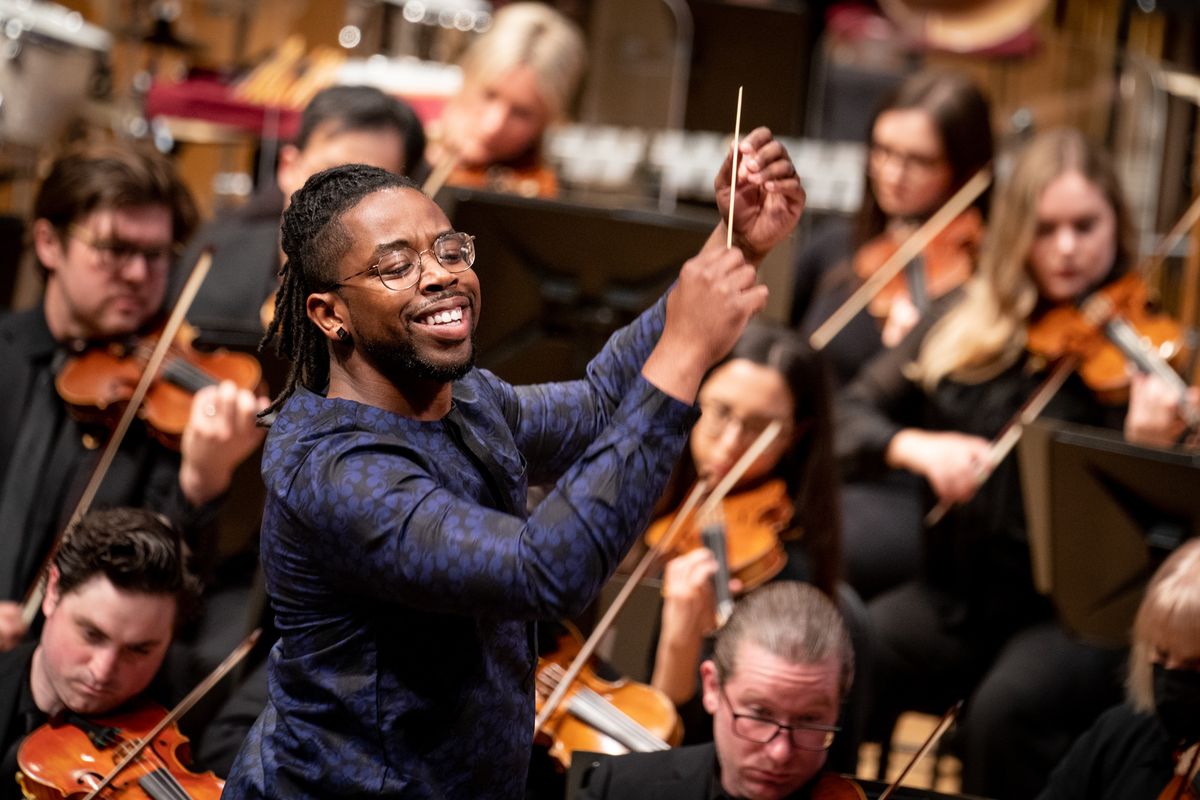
(972, 624)
(1138, 747)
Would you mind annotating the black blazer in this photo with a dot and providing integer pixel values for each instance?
(12, 671)
(682, 773)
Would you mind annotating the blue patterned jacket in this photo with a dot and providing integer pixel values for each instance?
(404, 572)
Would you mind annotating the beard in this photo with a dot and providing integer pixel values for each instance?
(404, 363)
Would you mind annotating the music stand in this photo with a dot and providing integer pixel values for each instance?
(558, 278)
(1102, 514)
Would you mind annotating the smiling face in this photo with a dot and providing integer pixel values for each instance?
(766, 686)
(1075, 239)
(425, 332)
(100, 647)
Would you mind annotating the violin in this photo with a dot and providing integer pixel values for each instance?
(601, 716)
(64, 758)
(831, 786)
(535, 180)
(1185, 784)
(1097, 333)
(882, 272)
(1096, 338)
(754, 520)
(97, 384)
(942, 265)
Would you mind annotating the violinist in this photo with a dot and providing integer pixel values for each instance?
(402, 565)
(972, 624)
(781, 667)
(926, 140)
(108, 218)
(118, 588)
(1148, 743)
(770, 375)
(519, 78)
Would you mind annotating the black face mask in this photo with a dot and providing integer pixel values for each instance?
(1177, 701)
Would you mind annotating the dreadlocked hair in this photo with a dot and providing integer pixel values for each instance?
(314, 241)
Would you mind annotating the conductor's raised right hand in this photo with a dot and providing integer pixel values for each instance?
(707, 311)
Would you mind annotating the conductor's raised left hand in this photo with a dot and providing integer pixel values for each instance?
(770, 198)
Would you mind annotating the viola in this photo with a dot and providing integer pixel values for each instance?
(1113, 326)
(602, 716)
(942, 266)
(97, 384)
(64, 759)
(754, 520)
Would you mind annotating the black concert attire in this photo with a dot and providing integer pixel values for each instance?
(47, 457)
(682, 773)
(881, 516)
(1126, 754)
(226, 312)
(244, 272)
(19, 715)
(972, 624)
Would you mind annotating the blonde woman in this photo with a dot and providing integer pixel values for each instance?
(519, 78)
(1137, 748)
(972, 624)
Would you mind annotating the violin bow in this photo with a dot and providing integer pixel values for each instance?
(1002, 445)
(661, 546)
(943, 725)
(441, 173)
(1098, 310)
(32, 602)
(555, 699)
(185, 705)
(908, 250)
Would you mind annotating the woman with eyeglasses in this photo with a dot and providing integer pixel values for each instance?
(1152, 740)
(771, 375)
(926, 140)
(972, 624)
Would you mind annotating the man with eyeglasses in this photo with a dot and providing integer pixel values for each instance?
(402, 564)
(780, 669)
(107, 221)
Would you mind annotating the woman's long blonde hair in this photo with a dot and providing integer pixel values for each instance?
(537, 36)
(986, 331)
